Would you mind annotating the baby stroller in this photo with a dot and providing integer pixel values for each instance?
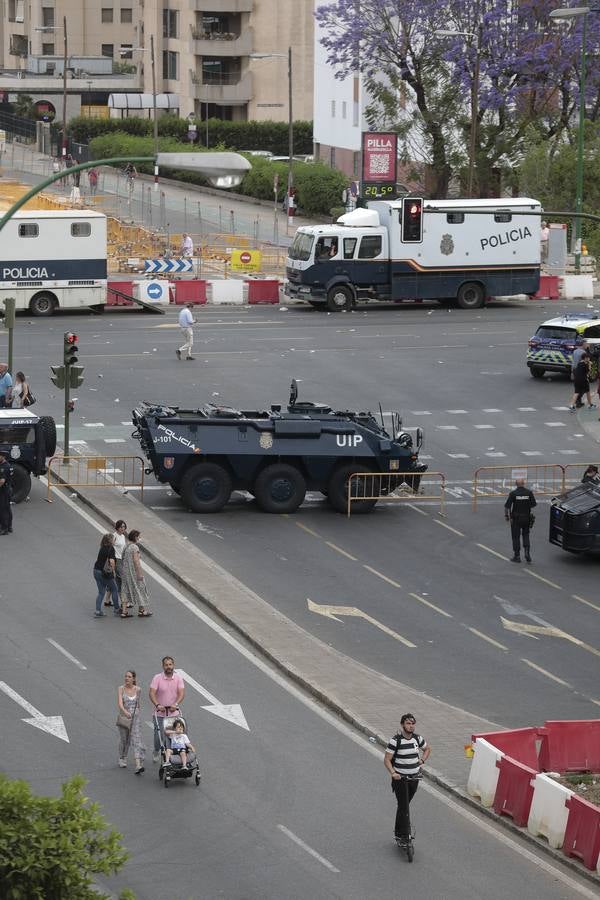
(173, 768)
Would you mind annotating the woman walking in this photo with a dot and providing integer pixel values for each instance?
(129, 722)
(133, 584)
(581, 384)
(104, 575)
(119, 544)
(20, 392)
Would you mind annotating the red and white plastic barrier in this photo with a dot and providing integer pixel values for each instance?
(548, 814)
(483, 777)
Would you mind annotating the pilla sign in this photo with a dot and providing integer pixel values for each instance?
(379, 153)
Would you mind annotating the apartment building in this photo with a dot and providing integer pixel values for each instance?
(205, 63)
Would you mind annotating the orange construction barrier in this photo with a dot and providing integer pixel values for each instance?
(514, 792)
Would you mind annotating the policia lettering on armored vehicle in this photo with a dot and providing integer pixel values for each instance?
(206, 453)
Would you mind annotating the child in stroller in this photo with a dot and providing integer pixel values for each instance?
(177, 752)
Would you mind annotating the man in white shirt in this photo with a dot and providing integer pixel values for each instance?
(186, 322)
(187, 246)
(544, 238)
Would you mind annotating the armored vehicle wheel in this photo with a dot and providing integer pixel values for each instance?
(21, 483)
(338, 490)
(537, 371)
(206, 487)
(43, 304)
(339, 298)
(470, 295)
(49, 428)
(280, 488)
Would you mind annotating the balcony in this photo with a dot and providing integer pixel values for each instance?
(230, 44)
(232, 6)
(225, 90)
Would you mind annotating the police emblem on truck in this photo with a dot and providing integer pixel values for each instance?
(447, 245)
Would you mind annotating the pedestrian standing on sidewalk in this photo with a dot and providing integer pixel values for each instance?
(405, 755)
(104, 575)
(134, 591)
(518, 509)
(5, 492)
(167, 690)
(186, 323)
(129, 722)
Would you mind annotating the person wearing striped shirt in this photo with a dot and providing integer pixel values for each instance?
(405, 755)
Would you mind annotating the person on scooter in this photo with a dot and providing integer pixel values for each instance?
(405, 755)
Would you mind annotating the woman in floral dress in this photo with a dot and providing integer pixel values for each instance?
(128, 703)
(133, 584)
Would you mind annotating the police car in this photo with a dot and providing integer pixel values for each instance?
(551, 347)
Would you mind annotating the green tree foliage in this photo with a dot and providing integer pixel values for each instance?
(272, 136)
(51, 848)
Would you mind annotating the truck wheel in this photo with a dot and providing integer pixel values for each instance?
(537, 371)
(338, 490)
(206, 487)
(48, 426)
(280, 488)
(470, 295)
(21, 484)
(340, 298)
(42, 304)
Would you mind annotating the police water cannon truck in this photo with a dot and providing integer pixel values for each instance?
(456, 251)
(206, 453)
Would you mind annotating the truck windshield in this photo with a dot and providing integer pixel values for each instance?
(302, 246)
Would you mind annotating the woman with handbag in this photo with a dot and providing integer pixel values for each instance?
(21, 395)
(134, 591)
(104, 575)
(129, 722)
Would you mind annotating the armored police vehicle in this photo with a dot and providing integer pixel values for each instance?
(26, 440)
(456, 251)
(575, 519)
(206, 453)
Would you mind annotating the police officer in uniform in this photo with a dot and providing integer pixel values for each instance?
(518, 509)
(5, 486)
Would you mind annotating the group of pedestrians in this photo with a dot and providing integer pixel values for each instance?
(119, 576)
(14, 394)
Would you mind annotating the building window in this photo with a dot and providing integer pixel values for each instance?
(170, 23)
(107, 14)
(333, 109)
(47, 49)
(126, 51)
(29, 229)
(221, 71)
(48, 16)
(108, 50)
(344, 109)
(170, 65)
(16, 10)
(81, 229)
(126, 15)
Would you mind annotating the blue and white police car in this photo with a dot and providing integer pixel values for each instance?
(551, 347)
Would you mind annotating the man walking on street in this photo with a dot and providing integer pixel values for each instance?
(167, 690)
(5, 491)
(405, 755)
(518, 509)
(186, 323)
(5, 386)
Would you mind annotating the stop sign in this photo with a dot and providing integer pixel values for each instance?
(246, 257)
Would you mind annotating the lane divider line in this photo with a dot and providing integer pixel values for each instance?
(485, 637)
(545, 580)
(339, 550)
(493, 552)
(417, 509)
(382, 576)
(66, 653)
(545, 672)
(307, 529)
(294, 837)
(442, 612)
(587, 602)
(449, 527)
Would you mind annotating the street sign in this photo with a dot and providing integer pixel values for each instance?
(155, 291)
(158, 266)
(379, 166)
(246, 260)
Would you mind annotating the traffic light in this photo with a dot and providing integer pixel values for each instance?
(75, 376)
(70, 348)
(412, 220)
(58, 376)
(9, 312)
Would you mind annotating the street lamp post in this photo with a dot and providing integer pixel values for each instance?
(46, 28)
(154, 107)
(578, 12)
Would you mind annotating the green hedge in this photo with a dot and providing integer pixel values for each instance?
(318, 188)
(272, 136)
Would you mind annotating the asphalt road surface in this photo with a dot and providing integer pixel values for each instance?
(293, 805)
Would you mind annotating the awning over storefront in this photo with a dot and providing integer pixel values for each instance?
(142, 101)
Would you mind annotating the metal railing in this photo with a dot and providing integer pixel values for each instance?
(544, 479)
(397, 486)
(95, 472)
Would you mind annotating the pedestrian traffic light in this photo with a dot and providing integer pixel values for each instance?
(58, 376)
(70, 348)
(412, 220)
(9, 312)
(75, 376)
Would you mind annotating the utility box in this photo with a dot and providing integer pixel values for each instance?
(557, 249)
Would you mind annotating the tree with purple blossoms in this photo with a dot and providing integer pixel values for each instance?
(529, 71)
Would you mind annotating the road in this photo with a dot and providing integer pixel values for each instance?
(442, 584)
(295, 805)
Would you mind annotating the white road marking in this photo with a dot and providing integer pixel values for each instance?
(555, 424)
(52, 724)
(431, 605)
(492, 409)
(449, 527)
(230, 712)
(457, 412)
(587, 602)
(532, 453)
(420, 412)
(127, 423)
(561, 408)
(417, 509)
(66, 653)
(339, 550)
(484, 426)
(313, 853)
(518, 425)
(380, 575)
(493, 552)
(447, 427)
(114, 440)
(569, 452)
(526, 408)
(93, 424)
(496, 453)
(486, 637)
(459, 455)
(343, 728)
(545, 672)
(423, 456)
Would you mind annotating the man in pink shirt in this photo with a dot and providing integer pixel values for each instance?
(167, 690)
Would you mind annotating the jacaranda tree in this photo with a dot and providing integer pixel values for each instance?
(421, 83)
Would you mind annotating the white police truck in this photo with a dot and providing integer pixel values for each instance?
(54, 259)
(456, 251)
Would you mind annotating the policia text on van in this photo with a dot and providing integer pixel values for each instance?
(414, 249)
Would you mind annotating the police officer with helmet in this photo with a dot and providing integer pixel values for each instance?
(518, 510)
(5, 492)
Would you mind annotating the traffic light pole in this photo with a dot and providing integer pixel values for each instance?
(66, 451)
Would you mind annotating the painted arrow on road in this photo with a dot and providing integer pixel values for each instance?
(333, 612)
(548, 630)
(52, 724)
(231, 712)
